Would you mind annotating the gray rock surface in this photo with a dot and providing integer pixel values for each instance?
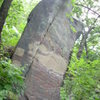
(45, 47)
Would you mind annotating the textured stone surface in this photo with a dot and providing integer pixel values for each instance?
(44, 48)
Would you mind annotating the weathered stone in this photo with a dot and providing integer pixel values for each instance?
(45, 47)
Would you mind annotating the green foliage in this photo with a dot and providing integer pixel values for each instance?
(62, 93)
(77, 10)
(13, 26)
(69, 16)
(11, 80)
(73, 29)
(16, 21)
(82, 80)
(1, 2)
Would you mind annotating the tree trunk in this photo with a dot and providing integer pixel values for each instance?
(3, 13)
(83, 42)
(84, 38)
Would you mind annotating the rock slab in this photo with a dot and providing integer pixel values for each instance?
(44, 48)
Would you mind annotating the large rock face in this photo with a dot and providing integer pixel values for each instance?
(44, 48)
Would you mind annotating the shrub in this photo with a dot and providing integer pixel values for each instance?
(11, 80)
(82, 80)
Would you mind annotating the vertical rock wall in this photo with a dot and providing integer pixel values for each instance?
(44, 48)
